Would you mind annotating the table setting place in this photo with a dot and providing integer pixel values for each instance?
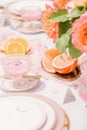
(43, 65)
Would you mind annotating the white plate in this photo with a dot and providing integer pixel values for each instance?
(21, 114)
(16, 7)
(19, 110)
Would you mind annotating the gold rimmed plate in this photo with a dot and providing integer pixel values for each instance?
(19, 106)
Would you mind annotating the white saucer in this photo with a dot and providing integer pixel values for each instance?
(26, 27)
(23, 84)
(16, 7)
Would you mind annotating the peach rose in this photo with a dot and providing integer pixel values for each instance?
(51, 28)
(60, 3)
(80, 2)
(79, 33)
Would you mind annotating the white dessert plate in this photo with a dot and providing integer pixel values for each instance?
(16, 7)
(19, 113)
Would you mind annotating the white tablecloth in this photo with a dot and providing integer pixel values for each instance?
(76, 110)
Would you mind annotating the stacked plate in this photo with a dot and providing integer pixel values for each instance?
(18, 23)
(31, 112)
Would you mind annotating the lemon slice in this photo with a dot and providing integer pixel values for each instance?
(15, 48)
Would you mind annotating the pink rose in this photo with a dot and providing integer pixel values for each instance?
(79, 33)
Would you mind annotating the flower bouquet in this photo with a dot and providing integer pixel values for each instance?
(66, 23)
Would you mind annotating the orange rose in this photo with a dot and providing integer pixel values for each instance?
(60, 3)
(51, 28)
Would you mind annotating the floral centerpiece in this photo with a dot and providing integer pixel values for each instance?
(66, 23)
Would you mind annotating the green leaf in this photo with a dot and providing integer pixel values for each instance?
(77, 12)
(75, 53)
(63, 42)
(64, 27)
(59, 15)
